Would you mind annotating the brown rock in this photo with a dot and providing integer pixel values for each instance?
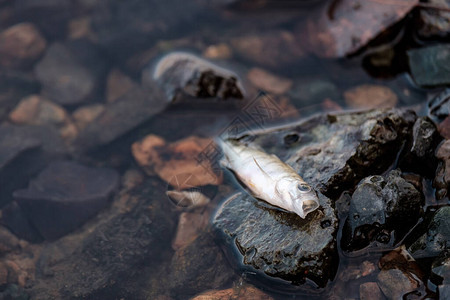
(370, 96)
(117, 85)
(3, 274)
(86, 114)
(81, 28)
(190, 225)
(177, 163)
(21, 45)
(370, 291)
(330, 105)
(35, 110)
(236, 293)
(273, 49)
(268, 82)
(444, 128)
(219, 51)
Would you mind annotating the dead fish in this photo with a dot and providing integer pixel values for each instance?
(269, 179)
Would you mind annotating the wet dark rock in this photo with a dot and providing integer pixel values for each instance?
(440, 269)
(71, 73)
(28, 149)
(434, 23)
(13, 87)
(199, 266)
(111, 252)
(187, 74)
(64, 196)
(278, 243)
(442, 179)
(429, 65)
(121, 116)
(437, 237)
(379, 206)
(419, 155)
(439, 106)
(335, 151)
(15, 220)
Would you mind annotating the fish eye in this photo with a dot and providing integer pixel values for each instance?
(304, 188)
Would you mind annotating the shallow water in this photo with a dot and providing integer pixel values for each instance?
(132, 38)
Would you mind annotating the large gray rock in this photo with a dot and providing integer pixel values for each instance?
(331, 152)
(381, 205)
(335, 151)
(281, 244)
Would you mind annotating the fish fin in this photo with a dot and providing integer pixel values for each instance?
(262, 170)
(225, 163)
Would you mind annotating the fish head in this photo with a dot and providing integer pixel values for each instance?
(302, 197)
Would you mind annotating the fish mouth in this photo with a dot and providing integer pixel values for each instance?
(309, 206)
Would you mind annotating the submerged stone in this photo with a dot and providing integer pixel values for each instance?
(185, 73)
(429, 65)
(13, 87)
(15, 220)
(119, 249)
(65, 195)
(119, 117)
(70, 73)
(28, 149)
(400, 275)
(379, 206)
(199, 266)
